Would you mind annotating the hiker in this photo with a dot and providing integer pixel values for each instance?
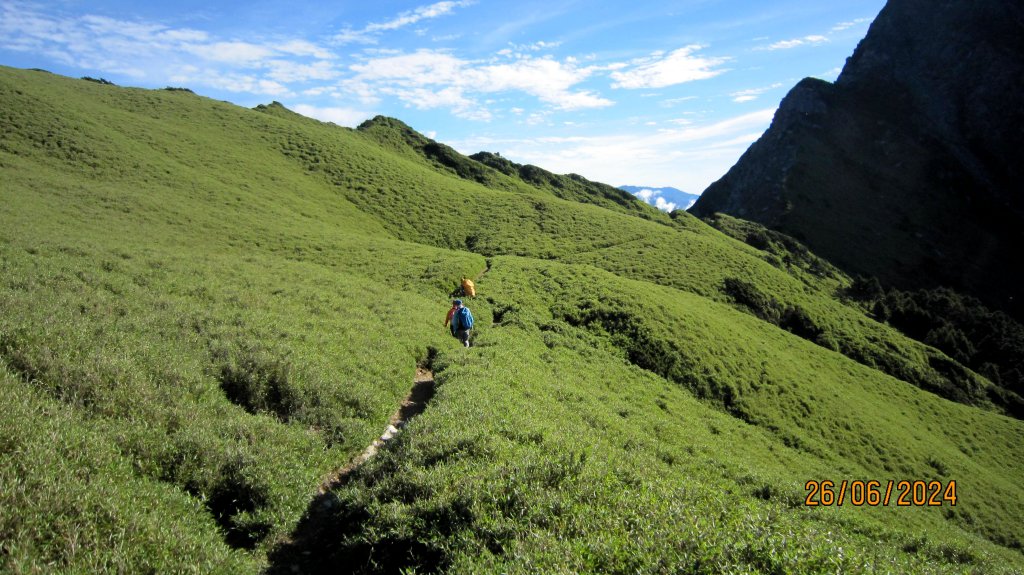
(468, 288)
(448, 320)
(462, 322)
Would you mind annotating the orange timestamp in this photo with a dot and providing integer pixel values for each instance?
(876, 493)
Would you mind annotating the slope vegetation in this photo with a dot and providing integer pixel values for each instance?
(205, 311)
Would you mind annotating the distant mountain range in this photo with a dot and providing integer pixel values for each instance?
(667, 199)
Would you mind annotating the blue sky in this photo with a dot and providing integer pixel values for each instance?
(652, 93)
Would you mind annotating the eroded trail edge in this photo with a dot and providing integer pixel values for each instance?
(415, 403)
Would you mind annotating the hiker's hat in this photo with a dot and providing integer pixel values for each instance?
(457, 302)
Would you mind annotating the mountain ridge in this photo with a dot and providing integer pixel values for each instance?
(496, 172)
(915, 151)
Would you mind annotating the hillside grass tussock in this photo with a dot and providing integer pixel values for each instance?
(206, 311)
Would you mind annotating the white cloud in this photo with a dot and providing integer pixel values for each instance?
(368, 35)
(232, 82)
(237, 53)
(341, 116)
(847, 25)
(424, 67)
(752, 93)
(425, 79)
(787, 44)
(349, 36)
(268, 87)
(542, 45)
(655, 198)
(672, 102)
(105, 25)
(153, 52)
(430, 79)
(537, 119)
(184, 35)
(663, 204)
(707, 150)
(535, 47)
(288, 71)
(451, 97)
(676, 67)
(304, 48)
(417, 14)
(723, 127)
(244, 84)
(547, 79)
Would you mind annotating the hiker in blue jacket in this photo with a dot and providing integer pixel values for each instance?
(462, 322)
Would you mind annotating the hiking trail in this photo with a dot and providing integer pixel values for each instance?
(312, 546)
(415, 403)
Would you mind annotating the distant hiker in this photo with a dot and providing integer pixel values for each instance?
(468, 288)
(448, 320)
(462, 322)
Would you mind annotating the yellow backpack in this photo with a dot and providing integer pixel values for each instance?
(468, 288)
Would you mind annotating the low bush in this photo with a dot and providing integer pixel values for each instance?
(259, 383)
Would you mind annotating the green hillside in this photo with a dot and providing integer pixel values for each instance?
(206, 311)
(493, 171)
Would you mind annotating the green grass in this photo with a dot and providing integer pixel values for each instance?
(580, 462)
(209, 309)
(73, 502)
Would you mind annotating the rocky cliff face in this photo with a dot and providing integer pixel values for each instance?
(909, 167)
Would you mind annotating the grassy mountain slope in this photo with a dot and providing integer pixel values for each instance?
(678, 256)
(204, 310)
(548, 451)
(572, 187)
(493, 171)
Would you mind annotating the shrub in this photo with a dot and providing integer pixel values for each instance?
(865, 289)
(796, 320)
(746, 294)
(758, 239)
(260, 383)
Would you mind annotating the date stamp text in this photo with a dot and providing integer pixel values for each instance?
(878, 493)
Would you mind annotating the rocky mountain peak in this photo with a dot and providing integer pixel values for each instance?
(908, 168)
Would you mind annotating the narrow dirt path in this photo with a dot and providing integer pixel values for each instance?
(313, 546)
(487, 268)
(419, 396)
